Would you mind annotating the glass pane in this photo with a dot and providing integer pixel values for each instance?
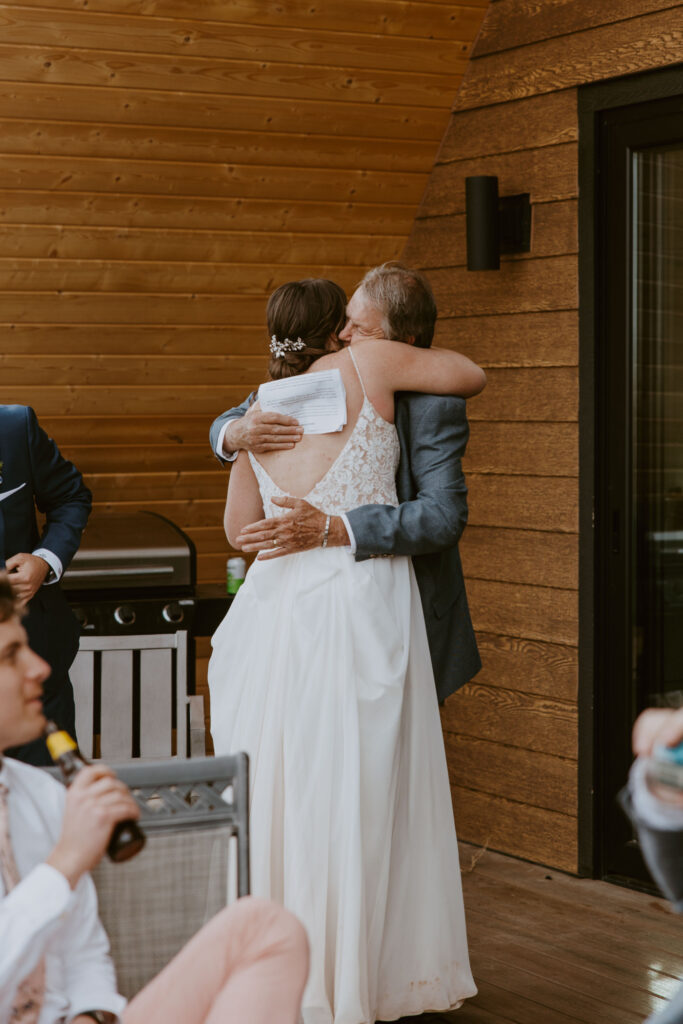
(657, 397)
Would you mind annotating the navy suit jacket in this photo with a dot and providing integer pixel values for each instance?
(427, 525)
(33, 473)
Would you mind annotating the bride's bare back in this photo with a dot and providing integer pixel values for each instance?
(297, 471)
(384, 367)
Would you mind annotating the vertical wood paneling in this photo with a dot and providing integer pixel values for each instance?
(516, 117)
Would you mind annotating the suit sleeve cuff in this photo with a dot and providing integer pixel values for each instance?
(111, 1003)
(352, 540)
(219, 445)
(56, 567)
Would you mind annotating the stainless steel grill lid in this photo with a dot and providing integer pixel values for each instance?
(134, 551)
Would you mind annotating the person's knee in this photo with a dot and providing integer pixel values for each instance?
(292, 933)
(276, 925)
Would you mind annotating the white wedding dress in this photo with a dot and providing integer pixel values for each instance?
(321, 672)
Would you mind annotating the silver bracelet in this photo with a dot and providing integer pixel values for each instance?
(326, 531)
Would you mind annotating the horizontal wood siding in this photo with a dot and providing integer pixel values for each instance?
(511, 734)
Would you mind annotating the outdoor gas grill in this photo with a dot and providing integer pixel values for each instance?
(132, 588)
(134, 572)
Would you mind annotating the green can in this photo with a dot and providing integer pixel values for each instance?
(237, 568)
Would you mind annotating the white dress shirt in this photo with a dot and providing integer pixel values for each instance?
(55, 563)
(42, 916)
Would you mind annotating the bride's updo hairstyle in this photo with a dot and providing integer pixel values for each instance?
(308, 313)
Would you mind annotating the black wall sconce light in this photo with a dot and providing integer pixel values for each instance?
(495, 225)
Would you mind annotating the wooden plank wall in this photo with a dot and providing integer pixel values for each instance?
(511, 735)
(164, 166)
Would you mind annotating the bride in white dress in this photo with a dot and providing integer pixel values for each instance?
(321, 672)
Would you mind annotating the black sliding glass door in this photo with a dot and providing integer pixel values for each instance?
(639, 438)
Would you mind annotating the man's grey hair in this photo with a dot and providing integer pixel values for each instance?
(406, 301)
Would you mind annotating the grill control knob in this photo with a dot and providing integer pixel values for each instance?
(125, 615)
(173, 612)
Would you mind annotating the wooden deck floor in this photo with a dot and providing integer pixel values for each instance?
(547, 948)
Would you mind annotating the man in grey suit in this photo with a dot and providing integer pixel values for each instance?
(391, 302)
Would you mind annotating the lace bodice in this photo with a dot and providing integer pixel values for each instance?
(364, 472)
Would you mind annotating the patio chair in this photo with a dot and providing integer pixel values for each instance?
(196, 819)
(132, 698)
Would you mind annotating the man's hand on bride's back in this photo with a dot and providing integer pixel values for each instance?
(301, 527)
(259, 432)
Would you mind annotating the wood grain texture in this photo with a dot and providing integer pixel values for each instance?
(539, 780)
(64, 306)
(201, 145)
(170, 430)
(521, 286)
(522, 720)
(205, 110)
(516, 339)
(191, 511)
(152, 277)
(505, 128)
(201, 247)
(517, 829)
(523, 502)
(136, 177)
(223, 78)
(536, 449)
(90, 400)
(202, 214)
(549, 175)
(50, 339)
(224, 42)
(530, 666)
(441, 241)
(625, 47)
(533, 394)
(514, 23)
(529, 612)
(377, 17)
(115, 370)
(533, 932)
(521, 556)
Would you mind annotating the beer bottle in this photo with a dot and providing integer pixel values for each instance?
(127, 838)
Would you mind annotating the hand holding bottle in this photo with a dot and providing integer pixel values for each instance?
(96, 801)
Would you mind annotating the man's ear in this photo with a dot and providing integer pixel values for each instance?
(410, 340)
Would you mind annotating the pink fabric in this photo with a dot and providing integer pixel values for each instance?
(248, 965)
(30, 993)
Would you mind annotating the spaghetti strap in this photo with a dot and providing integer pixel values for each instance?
(353, 360)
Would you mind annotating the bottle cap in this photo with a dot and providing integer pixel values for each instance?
(59, 743)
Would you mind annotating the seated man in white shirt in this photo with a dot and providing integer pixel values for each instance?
(248, 964)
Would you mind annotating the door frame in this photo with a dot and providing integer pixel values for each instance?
(592, 101)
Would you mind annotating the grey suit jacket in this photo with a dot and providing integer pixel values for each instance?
(427, 525)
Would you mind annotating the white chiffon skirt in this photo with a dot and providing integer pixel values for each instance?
(321, 672)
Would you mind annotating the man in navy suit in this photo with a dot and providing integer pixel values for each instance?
(397, 303)
(34, 473)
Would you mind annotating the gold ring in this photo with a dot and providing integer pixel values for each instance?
(273, 542)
